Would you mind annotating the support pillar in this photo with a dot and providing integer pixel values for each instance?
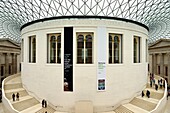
(168, 67)
(6, 64)
(161, 65)
(152, 71)
(154, 68)
(15, 63)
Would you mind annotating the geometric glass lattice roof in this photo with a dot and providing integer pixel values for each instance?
(153, 13)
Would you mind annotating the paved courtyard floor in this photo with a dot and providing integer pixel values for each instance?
(166, 111)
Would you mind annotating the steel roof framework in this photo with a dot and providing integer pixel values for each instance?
(153, 13)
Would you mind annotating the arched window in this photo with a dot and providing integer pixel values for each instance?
(54, 48)
(84, 48)
(59, 49)
(88, 50)
(136, 49)
(32, 49)
(110, 49)
(80, 49)
(115, 48)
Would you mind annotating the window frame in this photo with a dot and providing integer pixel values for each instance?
(120, 48)
(32, 49)
(85, 49)
(57, 54)
(138, 49)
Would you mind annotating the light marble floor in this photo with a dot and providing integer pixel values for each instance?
(166, 111)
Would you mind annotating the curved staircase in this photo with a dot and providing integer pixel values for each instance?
(29, 104)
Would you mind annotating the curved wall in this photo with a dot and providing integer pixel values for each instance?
(123, 80)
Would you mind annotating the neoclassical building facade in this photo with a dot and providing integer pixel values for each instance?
(9, 58)
(159, 58)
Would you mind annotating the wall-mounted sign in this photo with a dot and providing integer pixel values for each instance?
(68, 58)
(101, 65)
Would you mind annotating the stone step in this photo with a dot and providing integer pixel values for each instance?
(22, 105)
(146, 105)
(32, 109)
(148, 99)
(48, 109)
(22, 93)
(122, 109)
(154, 94)
(135, 109)
(21, 99)
(14, 80)
(100, 112)
(13, 86)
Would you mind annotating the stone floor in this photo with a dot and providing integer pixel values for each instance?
(166, 111)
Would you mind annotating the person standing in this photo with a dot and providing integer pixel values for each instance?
(43, 102)
(17, 95)
(148, 93)
(13, 97)
(143, 94)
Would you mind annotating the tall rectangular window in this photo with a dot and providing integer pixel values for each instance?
(22, 50)
(54, 48)
(115, 48)
(85, 48)
(146, 50)
(136, 49)
(32, 49)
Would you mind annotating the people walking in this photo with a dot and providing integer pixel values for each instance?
(43, 103)
(148, 93)
(13, 97)
(143, 94)
(17, 96)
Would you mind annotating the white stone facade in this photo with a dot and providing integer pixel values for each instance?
(46, 80)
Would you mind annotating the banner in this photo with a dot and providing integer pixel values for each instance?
(101, 60)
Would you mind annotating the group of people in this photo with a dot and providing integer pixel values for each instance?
(15, 97)
(44, 103)
(161, 82)
(147, 93)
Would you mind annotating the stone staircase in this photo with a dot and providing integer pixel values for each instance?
(122, 109)
(146, 105)
(26, 103)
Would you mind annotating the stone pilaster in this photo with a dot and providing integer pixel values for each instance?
(13, 63)
(154, 62)
(152, 71)
(0, 65)
(168, 67)
(161, 64)
(7, 64)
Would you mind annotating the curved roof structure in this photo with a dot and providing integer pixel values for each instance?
(153, 13)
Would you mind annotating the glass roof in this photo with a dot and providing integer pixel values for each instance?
(153, 13)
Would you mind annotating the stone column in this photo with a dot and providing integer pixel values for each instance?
(161, 65)
(13, 63)
(168, 67)
(7, 64)
(155, 62)
(152, 71)
(0, 65)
